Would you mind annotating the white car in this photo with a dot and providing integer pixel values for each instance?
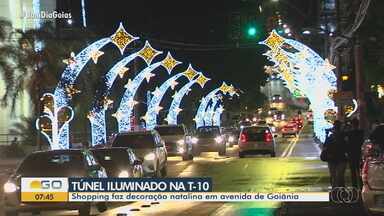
(149, 148)
(256, 140)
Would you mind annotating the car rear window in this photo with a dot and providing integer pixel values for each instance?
(134, 141)
(111, 158)
(256, 133)
(166, 131)
(208, 131)
(51, 165)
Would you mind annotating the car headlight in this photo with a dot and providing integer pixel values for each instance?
(124, 174)
(180, 150)
(194, 140)
(150, 156)
(180, 142)
(231, 139)
(9, 187)
(219, 139)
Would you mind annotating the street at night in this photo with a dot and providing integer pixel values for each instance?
(192, 108)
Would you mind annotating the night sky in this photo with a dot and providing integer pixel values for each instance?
(197, 32)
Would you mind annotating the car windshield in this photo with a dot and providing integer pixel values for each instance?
(51, 165)
(208, 131)
(134, 141)
(112, 158)
(172, 130)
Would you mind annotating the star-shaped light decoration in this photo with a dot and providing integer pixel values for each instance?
(174, 83)
(71, 61)
(95, 55)
(274, 40)
(148, 76)
(91, 116)
(232, 90)
(132, 103)
(220, 109)
(157, 109)
(71, 90)
(224, 88)
(202, 80)
(169, 63)
(107, 103)
(121, 38)
(157, 92)
(190, 73)
(121, 71)
(117, 115)
(328, 66)
(129, 85)
(145, 117)
(178, 110)
(148, 53)
(174, 95)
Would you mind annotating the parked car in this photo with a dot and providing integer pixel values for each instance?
(119, 162)
(290, 129)
(149, 148)
(208, 139)
(373, 172)
(255, 140)
(54, 163)
(176, 140)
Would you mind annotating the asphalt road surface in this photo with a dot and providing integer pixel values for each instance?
(296, 168)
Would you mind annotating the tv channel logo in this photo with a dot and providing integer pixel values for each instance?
(44, 184)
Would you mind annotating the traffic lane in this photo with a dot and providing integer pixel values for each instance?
(258, 174)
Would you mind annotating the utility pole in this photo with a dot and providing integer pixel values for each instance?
(359, 79)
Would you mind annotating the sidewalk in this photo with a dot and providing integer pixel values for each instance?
(320, 209)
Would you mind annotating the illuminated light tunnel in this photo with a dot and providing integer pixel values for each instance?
(217, 116)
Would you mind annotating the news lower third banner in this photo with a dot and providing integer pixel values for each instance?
(146, 189)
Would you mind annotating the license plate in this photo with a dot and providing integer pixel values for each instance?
(379, 200)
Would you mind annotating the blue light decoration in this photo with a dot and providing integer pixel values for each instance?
(51, 117)
(305, 71)
(217, 116)
(83, 14)
(199, 118)
(154, 107)
(208, 117)
(64, 90)
(97, 114)
(175, 109)
(125, 110)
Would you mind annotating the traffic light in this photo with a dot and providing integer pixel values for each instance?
(251, 31)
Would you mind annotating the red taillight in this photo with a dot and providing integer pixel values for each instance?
(243, 137)
(268, 136)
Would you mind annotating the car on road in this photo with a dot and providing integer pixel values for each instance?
(176, 140)
(54, 163)
(119, 162)
(290, 129)
(149, 148)
(255, 140)
(231, 135)
(373, 172)
(208, 139)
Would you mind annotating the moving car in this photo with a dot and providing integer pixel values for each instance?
(290, 129)
(54, 163)
(176, 140)
(149, 148)
(231, 136)
(119, 162)
(299, 121)
(256, 139)
(373, 172)
(208, 139)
